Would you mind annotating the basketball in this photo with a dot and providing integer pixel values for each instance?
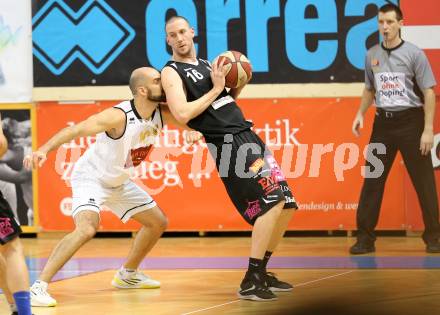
(239, 68)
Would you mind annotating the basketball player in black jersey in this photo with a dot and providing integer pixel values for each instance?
(14, 277)
(196, 96)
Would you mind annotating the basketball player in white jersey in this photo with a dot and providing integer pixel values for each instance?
(125, 133)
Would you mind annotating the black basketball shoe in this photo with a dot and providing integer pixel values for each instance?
(276, 285)
(253, 287)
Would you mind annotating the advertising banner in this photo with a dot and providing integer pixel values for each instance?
(412, 206)
(15, 51)
(99, 42)
(311, 139)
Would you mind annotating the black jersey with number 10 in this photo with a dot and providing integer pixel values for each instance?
(223, 116)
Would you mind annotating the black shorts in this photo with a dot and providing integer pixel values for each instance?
(252, 177)
(9, 228)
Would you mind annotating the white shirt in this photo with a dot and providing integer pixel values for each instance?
(111, 160)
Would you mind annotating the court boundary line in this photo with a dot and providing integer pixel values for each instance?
(297, 285)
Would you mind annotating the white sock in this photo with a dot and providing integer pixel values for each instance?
(13, 307)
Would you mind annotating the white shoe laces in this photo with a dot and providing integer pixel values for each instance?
(135, 274)
(140, 275)
(39, 290)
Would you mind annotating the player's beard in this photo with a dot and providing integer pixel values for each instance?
(186, 53)
(157, 97)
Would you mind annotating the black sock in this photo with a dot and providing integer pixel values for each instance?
(265, 260)
(254, 264)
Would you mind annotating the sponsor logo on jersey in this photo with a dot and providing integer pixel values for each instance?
(290, 199)
(269, 184)
(253, 209)
(5, 227)
(222, 102)
(150, 132)
(266, 201)
(257, 165)
(136, 156)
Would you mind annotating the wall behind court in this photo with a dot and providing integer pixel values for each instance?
(308, 62)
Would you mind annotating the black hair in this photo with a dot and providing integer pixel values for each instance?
(176, 17)
(391, 7)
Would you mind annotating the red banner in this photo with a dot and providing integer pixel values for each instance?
(414, 221)
(311, 140)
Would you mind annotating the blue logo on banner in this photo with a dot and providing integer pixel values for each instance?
(96, 35)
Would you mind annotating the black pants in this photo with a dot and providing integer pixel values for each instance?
(262, 187)
(399, 131)
(9, 228)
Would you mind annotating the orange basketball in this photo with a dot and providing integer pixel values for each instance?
(240, 68)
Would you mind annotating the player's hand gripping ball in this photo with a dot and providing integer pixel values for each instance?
(238, 68)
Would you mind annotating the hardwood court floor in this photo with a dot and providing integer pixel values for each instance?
(399, 279)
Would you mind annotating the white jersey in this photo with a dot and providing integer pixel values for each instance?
(111, 160)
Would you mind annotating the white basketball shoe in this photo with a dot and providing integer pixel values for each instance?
(40, 296)
(135, 279)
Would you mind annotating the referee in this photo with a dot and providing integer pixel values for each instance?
(399, 79)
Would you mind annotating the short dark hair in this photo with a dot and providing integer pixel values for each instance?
(176, 17)
(390, 7)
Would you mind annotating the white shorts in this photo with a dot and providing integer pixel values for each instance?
(124, 201)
